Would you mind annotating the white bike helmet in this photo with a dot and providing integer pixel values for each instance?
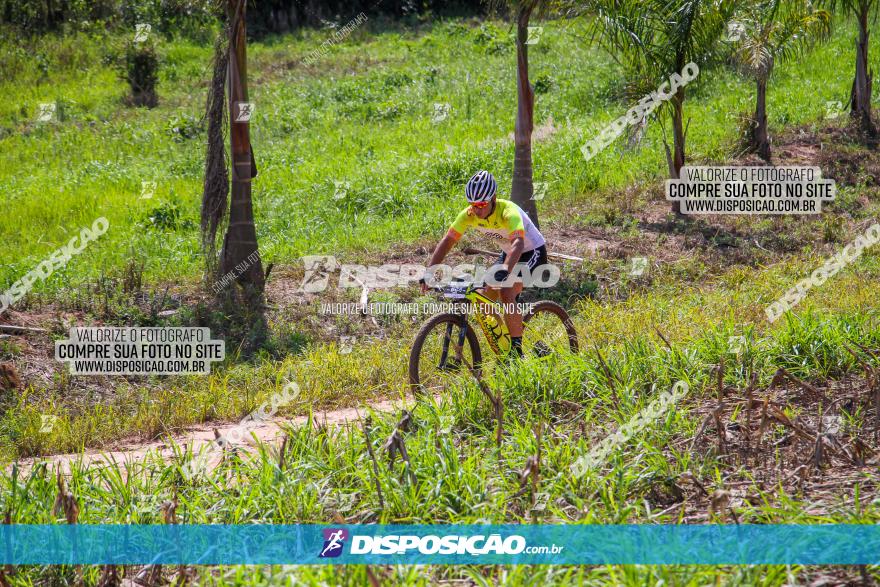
(481, 187)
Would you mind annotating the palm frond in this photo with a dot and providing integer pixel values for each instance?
(658, 37)
(778, 30)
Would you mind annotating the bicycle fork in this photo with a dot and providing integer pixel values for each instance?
(447, 338)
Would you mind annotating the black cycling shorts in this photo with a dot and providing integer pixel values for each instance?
(533, 258)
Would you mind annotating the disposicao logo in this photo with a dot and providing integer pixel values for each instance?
(407, 544)
(473, 545)
(334, 540)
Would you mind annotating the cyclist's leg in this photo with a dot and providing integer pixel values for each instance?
(491, 292)
(499, 295)
(512, 315)
(528, 261)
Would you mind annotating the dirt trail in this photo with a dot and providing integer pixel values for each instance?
(268, 432)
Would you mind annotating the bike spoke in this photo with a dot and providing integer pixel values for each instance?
(444, 355)
(445, 345)
(545, 334)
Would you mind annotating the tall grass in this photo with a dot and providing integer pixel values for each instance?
(457, 474)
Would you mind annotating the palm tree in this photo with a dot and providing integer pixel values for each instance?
(240, 253)
(654, 39)
(522, 188)
(860, 94)
(773, 31)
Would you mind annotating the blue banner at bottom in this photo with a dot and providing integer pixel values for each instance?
(440, 544)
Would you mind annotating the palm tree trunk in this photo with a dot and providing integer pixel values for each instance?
(760, 136)
(678, 134)
(240, 250)
(522, 190)
(860, 95)
(675, 159)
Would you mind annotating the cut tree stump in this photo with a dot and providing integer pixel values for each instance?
(9, 378)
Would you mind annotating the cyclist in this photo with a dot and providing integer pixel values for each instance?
(504, 220)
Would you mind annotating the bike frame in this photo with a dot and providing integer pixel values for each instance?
(498, 336)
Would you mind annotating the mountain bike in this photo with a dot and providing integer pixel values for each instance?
(447, 344)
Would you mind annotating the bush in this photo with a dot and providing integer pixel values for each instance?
(396, 79)
(40, 16)
(183, 126)
(190, 18)
(167, 216)
(142, 73)
(543, 84)
(492, 39)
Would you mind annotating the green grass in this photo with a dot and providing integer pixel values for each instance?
(728, 305)
(458, 475)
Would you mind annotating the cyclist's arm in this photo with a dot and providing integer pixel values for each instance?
(443, 247)
(514, 222)
(440, 252)
(517, 244)
(458, 228)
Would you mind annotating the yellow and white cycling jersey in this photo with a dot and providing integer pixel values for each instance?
(507, 221)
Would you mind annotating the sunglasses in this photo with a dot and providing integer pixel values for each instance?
(479, 205)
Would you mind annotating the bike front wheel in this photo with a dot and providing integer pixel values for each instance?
(446, 347)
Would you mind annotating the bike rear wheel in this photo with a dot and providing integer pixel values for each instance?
(445, 347)
(548, 329)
